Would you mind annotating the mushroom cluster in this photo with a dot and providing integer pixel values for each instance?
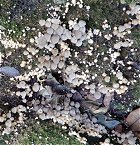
(79, 54)
(56, 33)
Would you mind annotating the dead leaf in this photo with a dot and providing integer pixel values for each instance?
(107, 99)
(91, 97)
(125, 142)
(88, 105)
(118, 128)
(137, 133)
(101, 119)
(102, 110)
(133, 120)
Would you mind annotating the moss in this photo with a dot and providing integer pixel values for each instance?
(46, 133)
(131, 1)
(136, 93)
(4, 139)
(10, 18)
(101, 10)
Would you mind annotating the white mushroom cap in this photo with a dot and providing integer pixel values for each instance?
(55, 21)
(36, 87)
(82, 29)
(7, 130)
(32, 40)
(47, 64)
(39, 111)
(79, 43)
(107, 79)
(82, 23)
(55, 39)
(74, 67)
(55, 26)
(21, 84)
(47, 37)
(68, 34)
(8, 123)
(48, 24)
(69, 80)
(135, 22)
(72, 76)
(92, 91)
(75, 82)
(18, 93)
(61, 64)
(125, 44)
(41, 59)
(103, 90)
(76, 27)
(119, 75)
(97, 95)
(117, 45)
(127, 25)
(83, 37)
(115, 32)
(77, 117)
(116, 54)
(32, 50)
(56, 59)
(14, 110)
(66, 53)
(63, 37)
(42, 22)
(121, 28)
(54, 52)
(21, 108)
(2, 119)
(72, 112)
(92, 86)
(41, 41)
(50, 31)
(53, 66)
(124, 80)
(77, 34)
(47, 57)
(74, 40)
(59, 30)
(71, 22)
(94, 120)
(42, 116)
(138, 16)
(77, 104)
(23, 94)
(116, 85)
(45, 109)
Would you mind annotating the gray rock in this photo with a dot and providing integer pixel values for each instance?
(9, 71)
